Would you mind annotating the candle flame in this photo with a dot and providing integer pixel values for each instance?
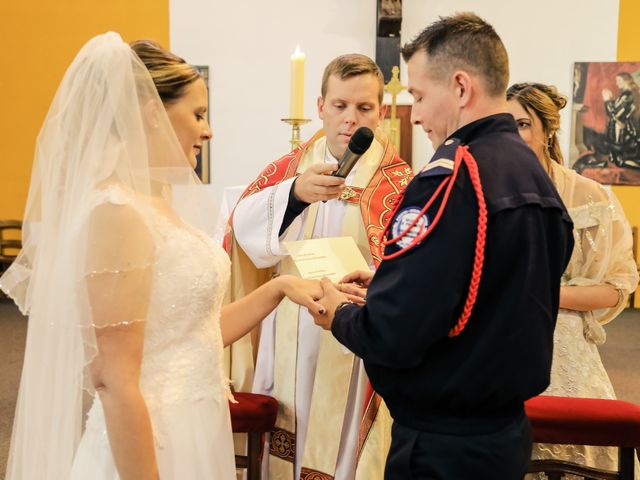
(297, 52)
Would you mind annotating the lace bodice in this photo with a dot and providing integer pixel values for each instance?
(183, 348)
(183, 344)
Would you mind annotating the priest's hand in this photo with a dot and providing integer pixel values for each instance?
(317, 184)
(331, 299)
(355, 284)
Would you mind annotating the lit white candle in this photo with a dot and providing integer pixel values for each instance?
(296, 104)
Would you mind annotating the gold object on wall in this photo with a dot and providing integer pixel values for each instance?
(391, 126)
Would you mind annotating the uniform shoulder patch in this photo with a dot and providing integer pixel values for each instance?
(441, 164)
(408, 224)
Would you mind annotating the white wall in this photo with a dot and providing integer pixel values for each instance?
(543, 40)
(247, 44)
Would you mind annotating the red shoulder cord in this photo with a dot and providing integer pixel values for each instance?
(462, 155)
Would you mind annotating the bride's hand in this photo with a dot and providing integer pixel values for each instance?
(303, 292)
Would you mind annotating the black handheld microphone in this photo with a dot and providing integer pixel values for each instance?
(359, 143)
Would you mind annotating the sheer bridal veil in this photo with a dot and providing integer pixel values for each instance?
(106, 147)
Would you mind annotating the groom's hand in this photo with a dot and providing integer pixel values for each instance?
(355, 284)
(330, 300)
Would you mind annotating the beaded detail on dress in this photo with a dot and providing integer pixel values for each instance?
(183, 347)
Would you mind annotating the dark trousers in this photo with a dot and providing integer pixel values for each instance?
(500, 455)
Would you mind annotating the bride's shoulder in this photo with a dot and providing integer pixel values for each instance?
(114, 207)
(112, 193)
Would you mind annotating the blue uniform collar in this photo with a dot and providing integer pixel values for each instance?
(441, 163)
(500, 122)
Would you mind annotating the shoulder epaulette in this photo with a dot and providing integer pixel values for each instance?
(441, 164)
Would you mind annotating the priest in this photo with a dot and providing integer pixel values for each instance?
(330, 425)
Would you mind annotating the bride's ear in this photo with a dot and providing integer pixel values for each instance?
(152, 113)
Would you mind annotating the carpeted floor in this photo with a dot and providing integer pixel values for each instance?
(620, 355)
(12, 340)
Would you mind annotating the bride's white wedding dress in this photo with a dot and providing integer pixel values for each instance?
(181, 376)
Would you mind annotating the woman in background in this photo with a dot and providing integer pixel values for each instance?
(600, 276)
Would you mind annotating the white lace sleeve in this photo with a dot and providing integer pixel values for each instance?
(119, 255)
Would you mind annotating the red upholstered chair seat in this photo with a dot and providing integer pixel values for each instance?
(585, 421)
(253, 412)
(255, 415)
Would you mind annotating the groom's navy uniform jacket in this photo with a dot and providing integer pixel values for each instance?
(474, 383)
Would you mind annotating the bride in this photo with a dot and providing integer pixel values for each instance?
(123, 290)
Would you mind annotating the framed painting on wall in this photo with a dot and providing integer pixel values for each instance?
(605, 126)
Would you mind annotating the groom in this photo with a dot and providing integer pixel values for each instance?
(454, 358)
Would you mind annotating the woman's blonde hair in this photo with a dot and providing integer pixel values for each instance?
(170, 73)
(546, 103)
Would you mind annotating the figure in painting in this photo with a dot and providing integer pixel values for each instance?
(622, 125)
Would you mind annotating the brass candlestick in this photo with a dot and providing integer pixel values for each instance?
(295, 129)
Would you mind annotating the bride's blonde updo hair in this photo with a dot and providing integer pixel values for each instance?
(170, 73)
(546, 103)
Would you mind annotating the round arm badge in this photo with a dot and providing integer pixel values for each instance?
(403, 220)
